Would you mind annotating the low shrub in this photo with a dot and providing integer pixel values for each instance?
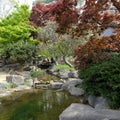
(19, 52)
(35, 74)
(103, 80)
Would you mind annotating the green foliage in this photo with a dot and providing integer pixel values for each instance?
(16, 26)
(63, 66)
(15, 35)
(20, 51)
(11, 85)
(37, 73)
(104, 80)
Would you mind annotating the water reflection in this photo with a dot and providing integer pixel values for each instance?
(36, 105)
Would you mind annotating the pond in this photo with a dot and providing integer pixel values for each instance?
(35, 105)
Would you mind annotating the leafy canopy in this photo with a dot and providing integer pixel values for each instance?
(16, 25)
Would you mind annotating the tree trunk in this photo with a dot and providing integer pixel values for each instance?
(67, 62)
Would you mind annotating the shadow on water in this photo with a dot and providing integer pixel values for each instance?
(35, 105)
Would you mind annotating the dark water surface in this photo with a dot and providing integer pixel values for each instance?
(35, 105)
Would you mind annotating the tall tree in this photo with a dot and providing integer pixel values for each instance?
(15, 35)
(16, 25)
(64, 12)
(96, 17)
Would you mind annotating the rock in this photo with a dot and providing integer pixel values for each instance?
(70, 86)
(98, 102)
(85, 112)
(73, 74)
(76, 91)
(21, 87)
(6, 69)
(71, 82)
(63, 74)
(62, 81)
(51, 69)
(29, 82)
(17, 79)
(45, 65)
(15, 65)
(55, 85)
(26, 74)
(27, 68)
(42, 86)
(55, 73)
(2, 87)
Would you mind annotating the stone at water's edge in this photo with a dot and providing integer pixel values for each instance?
(98, 102)
(70, 86)
(76, 91)
(85, 112)
(71, 82)
(55, 85)
(17, 79)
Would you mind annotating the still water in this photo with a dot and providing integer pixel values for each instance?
(35, 105)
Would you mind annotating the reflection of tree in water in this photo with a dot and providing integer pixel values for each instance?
(43, 105)
(54, 104)
(26, 111)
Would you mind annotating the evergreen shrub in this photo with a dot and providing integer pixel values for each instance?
(103, 80)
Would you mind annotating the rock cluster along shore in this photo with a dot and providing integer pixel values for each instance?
(22, 80)
(97, 108)
(85, 112)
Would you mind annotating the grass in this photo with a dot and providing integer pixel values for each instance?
(63, 66)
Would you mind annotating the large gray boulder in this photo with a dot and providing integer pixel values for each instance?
(16, 79)
(71, 82)
(98, 102)
(70, 86)
(85, 112)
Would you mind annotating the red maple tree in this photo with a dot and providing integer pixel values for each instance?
(96, 15)
(63, 12)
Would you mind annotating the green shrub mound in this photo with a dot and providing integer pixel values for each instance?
(20, 51)
(103, 80)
